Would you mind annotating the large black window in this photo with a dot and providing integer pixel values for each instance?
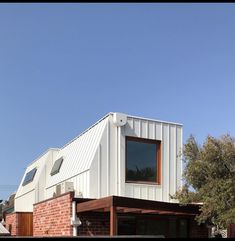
(142, 160)
(29, 176)
(56, 167)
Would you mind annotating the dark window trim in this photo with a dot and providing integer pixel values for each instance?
(158, 159)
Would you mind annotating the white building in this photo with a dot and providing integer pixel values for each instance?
(119, 155)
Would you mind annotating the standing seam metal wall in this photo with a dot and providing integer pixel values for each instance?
(95, 163)
(107, 174)
(170, 135)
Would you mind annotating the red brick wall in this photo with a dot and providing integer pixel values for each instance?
(99, 224)
(11, 223)
(52, 217)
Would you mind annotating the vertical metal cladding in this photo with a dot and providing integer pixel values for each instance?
(95, 162)
(107, 176)
(170, 135)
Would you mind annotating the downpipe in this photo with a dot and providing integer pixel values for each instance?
(75, 221)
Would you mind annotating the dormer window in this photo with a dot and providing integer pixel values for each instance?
(56, 167)
(29, 177)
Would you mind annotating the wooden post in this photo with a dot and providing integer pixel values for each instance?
(113, 221)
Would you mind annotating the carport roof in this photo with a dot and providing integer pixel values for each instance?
(133, 205)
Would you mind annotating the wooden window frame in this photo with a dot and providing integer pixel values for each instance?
(158, 159)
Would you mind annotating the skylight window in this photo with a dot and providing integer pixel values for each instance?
(29, 176)
(56, 167)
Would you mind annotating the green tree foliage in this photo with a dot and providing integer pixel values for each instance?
(209, 177)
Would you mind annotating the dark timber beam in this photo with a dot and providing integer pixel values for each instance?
(155, 205)
(94, 204)
(124, 204)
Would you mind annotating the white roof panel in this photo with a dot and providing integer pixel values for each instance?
(78, 154)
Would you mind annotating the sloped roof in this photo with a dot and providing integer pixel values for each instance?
(39, 164)
(78, 154)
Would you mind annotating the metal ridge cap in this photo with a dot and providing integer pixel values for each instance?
(44, 153)
(150, 119)
(97, 122)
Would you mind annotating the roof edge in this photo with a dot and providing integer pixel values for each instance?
(111, 113)
(44, 153)
(150, 119)
(97, 122)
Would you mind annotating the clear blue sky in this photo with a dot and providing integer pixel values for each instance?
(64, 66)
